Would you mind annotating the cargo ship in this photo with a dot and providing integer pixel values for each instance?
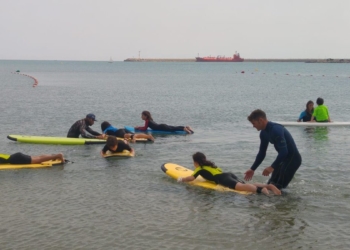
(236, 58)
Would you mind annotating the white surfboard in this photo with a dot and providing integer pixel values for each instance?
(314, 124)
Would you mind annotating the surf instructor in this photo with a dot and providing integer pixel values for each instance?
(288, 159)
(82, 127)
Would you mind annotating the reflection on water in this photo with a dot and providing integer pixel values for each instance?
(318, 133)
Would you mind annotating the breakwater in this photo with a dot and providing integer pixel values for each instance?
(329, 60)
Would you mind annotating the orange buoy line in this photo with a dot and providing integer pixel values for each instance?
(35, 80)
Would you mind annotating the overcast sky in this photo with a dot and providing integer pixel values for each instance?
(100, 29)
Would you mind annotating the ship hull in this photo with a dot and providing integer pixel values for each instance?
(201, 59)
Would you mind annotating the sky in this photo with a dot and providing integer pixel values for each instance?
(95, 30)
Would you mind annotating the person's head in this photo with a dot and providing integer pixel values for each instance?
(146, 115)
(319, 101)
(112, 143)
(90, 118)
(258, 119)
(309, 105)
(104, 125)
(200, 160)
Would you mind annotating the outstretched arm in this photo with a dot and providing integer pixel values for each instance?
(186, 179)
(264, 143)
(144, 127)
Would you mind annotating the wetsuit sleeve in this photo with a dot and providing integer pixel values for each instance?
(196, 172)
(302, 115)
(127, 147)
(88, 129)
(264, 143)
(280, 145)
(105, 149)
(144, 127)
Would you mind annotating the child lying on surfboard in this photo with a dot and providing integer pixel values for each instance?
(209, 171)
(147, 117)
(115, 146)
(20, 158)
(108, 129)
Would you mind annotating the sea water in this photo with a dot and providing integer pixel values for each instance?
(97, 203)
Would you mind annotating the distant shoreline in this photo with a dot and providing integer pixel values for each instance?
(329, 60)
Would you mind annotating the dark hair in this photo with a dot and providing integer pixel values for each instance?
(307, 104)
(256, 114)
(319, 101)
(105, 125)
(202, 160)
(148, 115)
(111, 141)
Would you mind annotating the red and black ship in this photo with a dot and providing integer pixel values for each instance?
(236, 58)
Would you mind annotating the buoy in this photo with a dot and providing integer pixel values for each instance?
(242, 72)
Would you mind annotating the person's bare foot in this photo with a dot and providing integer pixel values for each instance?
(61, 157)
(189, 129)
(274, 189)
(265, 191)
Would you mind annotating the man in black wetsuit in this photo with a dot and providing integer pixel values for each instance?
(288, 159)
(81, 127)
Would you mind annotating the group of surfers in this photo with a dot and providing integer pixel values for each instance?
(282, 169)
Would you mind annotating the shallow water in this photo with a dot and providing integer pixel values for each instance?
(95, 203)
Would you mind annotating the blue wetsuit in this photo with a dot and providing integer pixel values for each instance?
(288, 159)
(110, 130)
(306, 116)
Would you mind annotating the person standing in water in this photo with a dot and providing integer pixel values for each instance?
(147, 117)
(82, 127)
(288, 159)
(306, 115)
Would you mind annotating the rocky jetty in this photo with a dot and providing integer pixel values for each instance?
(329, 60)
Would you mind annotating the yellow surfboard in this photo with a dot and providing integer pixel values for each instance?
(125, 153)
(175, 171)
(45, 164)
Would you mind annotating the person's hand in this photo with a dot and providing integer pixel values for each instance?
(267, 171)
(248, 174)
(102, 137)
(179, 179)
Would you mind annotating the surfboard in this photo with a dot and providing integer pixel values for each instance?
(62, 140)
(314, 124)
(175, 171)
(45, 164)
(54, 140)
(132, 130)
(125, 153)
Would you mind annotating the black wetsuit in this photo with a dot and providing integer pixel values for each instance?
(121, 147)
(79, 128)
(216, 175)
(17, 158)
(164, 127)
(288, 159)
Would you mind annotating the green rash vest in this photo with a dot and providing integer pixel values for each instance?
(4, 158)
(207, 172)
(321, 112)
